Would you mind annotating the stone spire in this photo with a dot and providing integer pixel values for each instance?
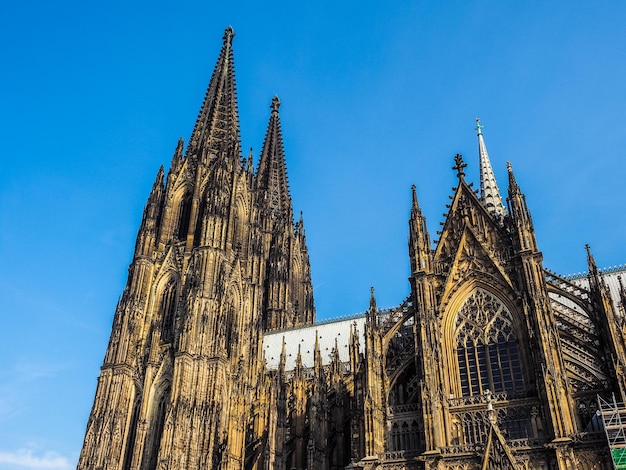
(419, 239)
(271, 178)
(216, 132)
(489, 192)
(521, 219)
(147, 235)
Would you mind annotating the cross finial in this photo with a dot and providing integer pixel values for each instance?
(478, 127)
(459, 165)
(275, 104)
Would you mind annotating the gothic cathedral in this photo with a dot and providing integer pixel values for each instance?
(215, 359)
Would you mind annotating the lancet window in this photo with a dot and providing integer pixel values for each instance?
(156, 425)
(168, 310)
(404, 436)
(487, 348)
(132, 431)
(183, 217)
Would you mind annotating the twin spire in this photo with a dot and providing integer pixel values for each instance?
(216, 134)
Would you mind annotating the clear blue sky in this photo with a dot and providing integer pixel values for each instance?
(376, 96)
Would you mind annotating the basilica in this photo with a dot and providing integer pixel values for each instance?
(216, 361)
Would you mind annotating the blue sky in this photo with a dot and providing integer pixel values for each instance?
(376, 96)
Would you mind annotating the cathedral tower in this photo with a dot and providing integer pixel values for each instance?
(218, 259)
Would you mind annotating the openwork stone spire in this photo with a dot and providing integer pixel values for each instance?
(489, 192)
(271, 176)
(216, 132)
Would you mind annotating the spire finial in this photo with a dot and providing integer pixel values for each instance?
(229, 34)
(459, 166)
(512, 181)
(478, 127)
(275, 104)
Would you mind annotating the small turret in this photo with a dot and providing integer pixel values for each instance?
(317, 357)
(420, 251)
(146, 238)
(283, 359)
(370, 315)
(521, 220)
(177, 159)
(354, 348)
(622, 295)
(612, 338)
(299, 370)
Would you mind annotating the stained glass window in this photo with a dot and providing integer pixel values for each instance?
(487, 349)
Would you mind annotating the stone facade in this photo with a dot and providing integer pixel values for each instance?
(491, 362)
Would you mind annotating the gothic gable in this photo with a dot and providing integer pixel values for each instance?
(497, 455)
(467, 213)
(466, 209)
(473, 261)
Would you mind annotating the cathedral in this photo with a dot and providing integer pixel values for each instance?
(216, 361)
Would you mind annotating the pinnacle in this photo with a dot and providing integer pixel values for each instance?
(512, 181)
(593, 267)
(372, 300)
(414, 201)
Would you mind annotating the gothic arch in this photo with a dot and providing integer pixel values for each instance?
(183, 200)
(582, 305)
(131, 429)
(297, 293)
(157, 407)
(231, 325)
(158, 410)
(165, 303)
(482, 334)
(239, 234)
(403, 385)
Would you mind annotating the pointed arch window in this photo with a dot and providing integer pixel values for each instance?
(487, 348)
(168, 311)
(132, 432)
(184, 215)
(157, 424)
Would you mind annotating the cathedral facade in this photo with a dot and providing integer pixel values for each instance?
(215, 359)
